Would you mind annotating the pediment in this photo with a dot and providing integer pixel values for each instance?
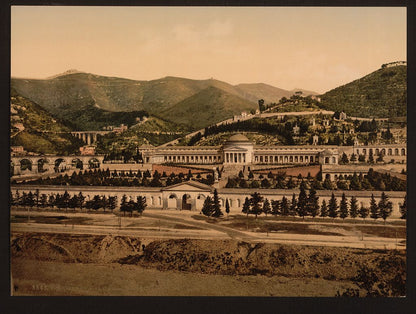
(191, 186)
(235, 149)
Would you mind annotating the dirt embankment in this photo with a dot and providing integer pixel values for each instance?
(227, 257)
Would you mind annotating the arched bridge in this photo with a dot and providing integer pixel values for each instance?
(43, 164)
(88, 137)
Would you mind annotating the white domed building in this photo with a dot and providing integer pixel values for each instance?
(239, 150)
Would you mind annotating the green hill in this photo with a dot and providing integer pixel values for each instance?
(207, 107)
(42, 133)
(379, 94)
(268, 93)
(88, 101)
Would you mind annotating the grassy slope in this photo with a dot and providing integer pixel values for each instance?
(270, 94)
(35, 120)
(371, 96)
(207, 107)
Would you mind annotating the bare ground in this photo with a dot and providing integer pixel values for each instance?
(64, 264)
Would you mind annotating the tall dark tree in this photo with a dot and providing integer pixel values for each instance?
(227, 207)
(313, 204)
(385, 207)
(266, 207)
(207, 207)
(261, 105)
(353, 207)
(112, 202)
(301, 208)
(343, 207)
(81, 199)
(216, 205)
(246, 206)
(141, 204)
(374, 210)
(123, 204)
(275, 207)
(255, 201)
(284, 206)
(333, 207)
(324, 209)
(293, 205)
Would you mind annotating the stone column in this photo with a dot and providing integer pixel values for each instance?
(88, 138)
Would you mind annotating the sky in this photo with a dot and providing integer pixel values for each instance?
(314, 48)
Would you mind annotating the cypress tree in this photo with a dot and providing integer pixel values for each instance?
(374, 210)
(343, 207)
(246, 206)
(276, 208)
(333, 207)
(216, 205)
(284, 206)
(207, 208)
(293, 205)
(324, 209)
(255, 201)
(266, 207)
(227, 207)
(385, 207)
(313, 205)
(353, 207)
(301, 207)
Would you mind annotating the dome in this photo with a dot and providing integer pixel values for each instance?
(238, 138)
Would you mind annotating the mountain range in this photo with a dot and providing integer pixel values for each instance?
(81, 97)
(86, 101)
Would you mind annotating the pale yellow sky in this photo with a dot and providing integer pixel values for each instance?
(287, 47)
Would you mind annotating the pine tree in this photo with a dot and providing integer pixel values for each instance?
(353, 207)
(343, 207)
(374, 210)
(301, 208)
(141, 204)
(324, 209)
(123, 204)
(81, 199)
(333, 207)
(293, 205)
(275, 207)
(403, 208)
(216, 205)
(313, 205)
(363, 212)
(284, 206)
(255, 201)
(208, 208)
(266, 207)
(246, 206)
(385, 206)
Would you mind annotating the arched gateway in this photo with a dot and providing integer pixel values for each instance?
(189, 195)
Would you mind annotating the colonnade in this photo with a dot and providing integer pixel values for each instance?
(189, 159)
(283, 159)
(235, 158)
